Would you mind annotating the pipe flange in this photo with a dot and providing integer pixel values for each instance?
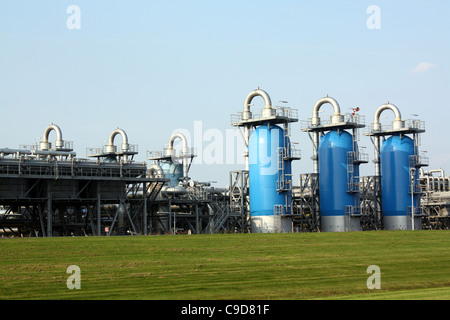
(398, 124)
(246, 115)
(268, 112)
(44, 145)
(110, 149)
(337, 118)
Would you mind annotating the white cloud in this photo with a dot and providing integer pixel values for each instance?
(422, 67)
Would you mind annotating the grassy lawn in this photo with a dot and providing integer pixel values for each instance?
(413, 264)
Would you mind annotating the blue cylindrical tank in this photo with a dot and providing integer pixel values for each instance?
(395, 181)
(172, 171)
(264, 175)
(334, 179)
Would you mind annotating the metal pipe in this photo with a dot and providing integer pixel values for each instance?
(247, 115)
(247, 103)
(185, 148)
(429, 187)
(59, 143)
(70, 154)
(4, 151)
(110, 146)
(337, 117)
(437, 170)
(184, 151)
(396, 124)
(173, 191)
(438, 182)
(413, 172)
(421, 172)
(155, 171)
(315, 121)
(433, 185)
(425, 176)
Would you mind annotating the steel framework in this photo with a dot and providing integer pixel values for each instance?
(52, 197)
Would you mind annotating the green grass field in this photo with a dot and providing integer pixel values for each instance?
(413, 264)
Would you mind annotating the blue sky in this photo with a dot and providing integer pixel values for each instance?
(152, 67)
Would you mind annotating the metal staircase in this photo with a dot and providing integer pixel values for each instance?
(154, 188)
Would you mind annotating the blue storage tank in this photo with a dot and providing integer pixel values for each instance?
(395, 182)
(172, 171)
(334, 178)
(263, 177)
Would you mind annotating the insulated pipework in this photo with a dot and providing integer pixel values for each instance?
(59, 143)
(247, 115)
(184, 151)
(155, 171)
(248, 100)
(337, 117)
(398, 123)
(109, 148)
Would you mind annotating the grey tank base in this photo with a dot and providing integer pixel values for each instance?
(340, 223)
(401, 223)
(271, 224)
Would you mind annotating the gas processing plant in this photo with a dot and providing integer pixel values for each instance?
(45, 190)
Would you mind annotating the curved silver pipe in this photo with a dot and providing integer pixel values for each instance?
(315, 121)
(59, 143)
(337, 117)
(155, 171)
(247, 115)
(110, 146)
(439, 181)
(437, 170)
(184, 150)
(396, 124)
(421, 172)
(258, 92)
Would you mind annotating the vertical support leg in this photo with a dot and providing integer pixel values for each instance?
(144, 218)
(49, 209)
(41, 219)
(196, 218)
(99, 231)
